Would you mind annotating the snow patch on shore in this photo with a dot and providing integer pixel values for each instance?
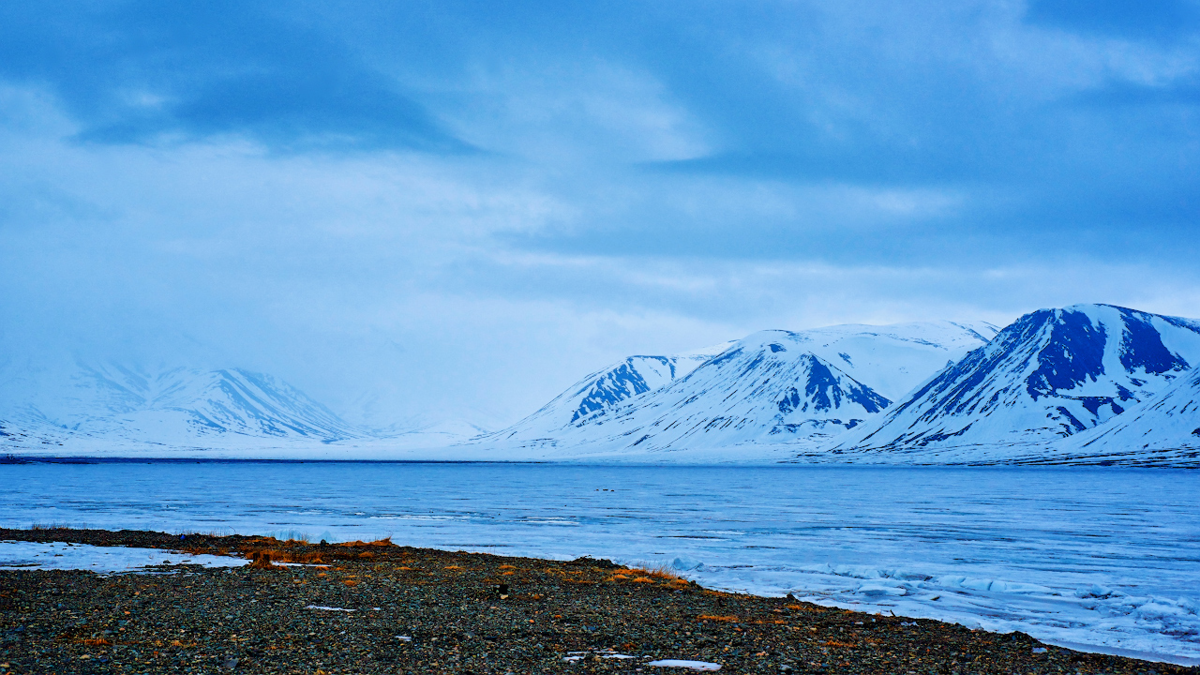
(56, 555)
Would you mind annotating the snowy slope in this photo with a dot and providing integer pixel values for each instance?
(894, 359)
(428, 434)
(1163, 429)
(1050, 374)
(771, 388)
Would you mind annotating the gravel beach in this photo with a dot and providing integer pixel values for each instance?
(375, 607)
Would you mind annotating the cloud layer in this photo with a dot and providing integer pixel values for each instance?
(455, 206)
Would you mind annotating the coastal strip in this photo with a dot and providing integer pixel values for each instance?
(376, 607)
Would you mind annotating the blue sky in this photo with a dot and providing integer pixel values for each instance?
(466, 206)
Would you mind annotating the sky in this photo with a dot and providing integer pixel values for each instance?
(452, 209)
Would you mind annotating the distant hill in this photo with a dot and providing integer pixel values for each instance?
(83, 407)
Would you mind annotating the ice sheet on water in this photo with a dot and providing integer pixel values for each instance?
(28, 555)
(1094, 615)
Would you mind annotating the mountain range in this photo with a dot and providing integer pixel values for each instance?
(770, 388)
(101, 407)
(1086, 384)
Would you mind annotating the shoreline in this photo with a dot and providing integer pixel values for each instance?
(345, 608)
(999, 465)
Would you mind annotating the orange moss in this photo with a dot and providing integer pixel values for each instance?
(95, 642)
(508, 567)
(835, 643)
(350, 582)
(711, 617)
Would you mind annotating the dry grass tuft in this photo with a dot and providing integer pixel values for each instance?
(711, 617)
(642, 580)
(350, 582)
(835, 643)
(277, 555)
(261, 560)
(387, 541)
(660, 572)
(508, 567)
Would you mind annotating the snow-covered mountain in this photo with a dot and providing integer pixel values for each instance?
(168, 406)
(771, 388)
(1051, 374)
(606, 389)
(1165, 429)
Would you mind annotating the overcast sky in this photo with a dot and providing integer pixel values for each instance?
(466, 206)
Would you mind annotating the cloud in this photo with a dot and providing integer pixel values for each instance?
(1148, 19)
(146, 72)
